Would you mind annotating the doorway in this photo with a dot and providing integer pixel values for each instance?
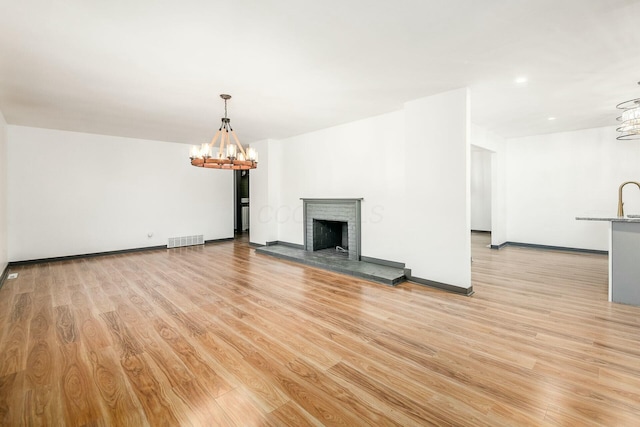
(241, 203)
(480, 189)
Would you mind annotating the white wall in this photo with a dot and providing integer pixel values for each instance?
(554, 178)
(4, 257)
(74, 193)
(480, 189)
(409, 166)
(437, 241)
(480, 137)
(359, 159)
(263, 197)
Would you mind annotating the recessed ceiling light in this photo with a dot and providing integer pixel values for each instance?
(551, 118)
(521, 80)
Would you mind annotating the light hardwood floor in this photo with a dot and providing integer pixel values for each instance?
(218, 335)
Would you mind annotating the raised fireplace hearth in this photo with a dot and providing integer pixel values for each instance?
(332, 223)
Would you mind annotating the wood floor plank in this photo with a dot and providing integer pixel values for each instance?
(100, 300)
(12, 399)
(240, 408)
(291, 336)
(43, 397)
(158, 407)
(202, 369)
(21, 307)
(171, 309)
(80, 403)
(291, 414)
(13, 350)
(121, 335)
(267, 395)
(93, 332)
(65, 325)
(117, 398)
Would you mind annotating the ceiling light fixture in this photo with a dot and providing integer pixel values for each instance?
(228, 155)
(521, 80)
(551, 118)
(630, 119)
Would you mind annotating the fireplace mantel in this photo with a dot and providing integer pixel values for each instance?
(346, 210)
(357, 199)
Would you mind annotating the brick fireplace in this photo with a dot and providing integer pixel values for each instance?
(332, 222)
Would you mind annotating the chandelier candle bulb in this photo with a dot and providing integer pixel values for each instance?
(231, 151)
(631, 120)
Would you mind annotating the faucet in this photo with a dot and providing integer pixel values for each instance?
(620, 204)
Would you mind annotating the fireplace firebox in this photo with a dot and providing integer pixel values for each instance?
(331, 223)
(330, 234)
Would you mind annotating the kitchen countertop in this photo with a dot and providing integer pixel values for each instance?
(605, 217)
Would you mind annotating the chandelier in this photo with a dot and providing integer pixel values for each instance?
(227, 154)
(630, 119)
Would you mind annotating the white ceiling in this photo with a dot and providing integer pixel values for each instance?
(154, 69)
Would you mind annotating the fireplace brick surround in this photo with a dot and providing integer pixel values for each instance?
(345, 210)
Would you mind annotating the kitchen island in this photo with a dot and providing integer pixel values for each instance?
(624, 258)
